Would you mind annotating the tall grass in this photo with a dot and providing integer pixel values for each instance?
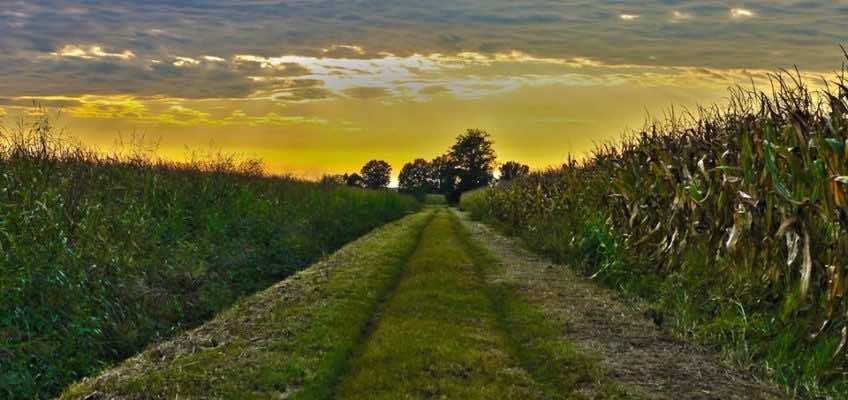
(100, 255)
(732, 220)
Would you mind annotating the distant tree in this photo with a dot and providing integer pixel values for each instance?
(354, 180)
(416, 177)
(334, 180)
(443, 174)
(511, 170)
(376, 174)
(474, 159)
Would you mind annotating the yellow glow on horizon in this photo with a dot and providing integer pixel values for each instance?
(339, 112)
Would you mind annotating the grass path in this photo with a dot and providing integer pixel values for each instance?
(438, 335)
(429, 307)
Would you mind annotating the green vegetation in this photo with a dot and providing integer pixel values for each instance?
(468, 164)
(733, 223)
(513, 169)
(437, 336)
(407, 310)
(375, 174)
(101, 255)
(293, 339)
(560, 368)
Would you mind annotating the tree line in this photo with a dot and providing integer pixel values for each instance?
(467, 165)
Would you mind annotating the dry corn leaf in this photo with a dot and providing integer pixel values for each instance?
(806, 265)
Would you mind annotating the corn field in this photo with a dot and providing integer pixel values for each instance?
(733, 220)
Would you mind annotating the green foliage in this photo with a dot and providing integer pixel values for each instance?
(468, 165)
(376, 174)
(292, 340)
(474, 160)
(513, 169)
(732, 221)
(100, 255)
(417, 178)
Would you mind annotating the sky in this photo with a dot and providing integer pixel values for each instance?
(315, 87)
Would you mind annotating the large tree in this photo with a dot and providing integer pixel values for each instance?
(474, 160)
(511, 170)
(376, 174)
(416, 177)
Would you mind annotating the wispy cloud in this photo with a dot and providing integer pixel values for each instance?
(677, 16)
(89, 52)
(741, 13)
(185, 61)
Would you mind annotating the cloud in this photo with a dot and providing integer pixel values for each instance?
(741, 13)
(366, 92)
(185, 62)
(275, 119)
(90, 52)
(343, 51)
(219, 49)
(677, 16)
(303, 94)
(433, 90)
(31, 102)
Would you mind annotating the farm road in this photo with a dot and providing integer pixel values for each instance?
(433, 306)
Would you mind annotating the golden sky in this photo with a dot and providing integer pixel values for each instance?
(315, 87)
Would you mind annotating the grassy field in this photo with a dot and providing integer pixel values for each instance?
(102, 255)
(732, 222)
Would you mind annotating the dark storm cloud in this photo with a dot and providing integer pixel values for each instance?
(692, 33)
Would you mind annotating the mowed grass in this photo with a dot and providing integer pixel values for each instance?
(438, 336)
(291, 341)
(562, 370)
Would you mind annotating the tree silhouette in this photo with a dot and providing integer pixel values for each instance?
(512, 169)
(474, 159)
(334, 180)
(416, 177)
(376, 174)
(354, 180)
(443, 170)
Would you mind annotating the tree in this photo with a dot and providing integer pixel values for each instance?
(473, 158)
(334, 180)
(511, 170)
(354, 180)
(376, 174)
(416, 177)
(444, 174)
